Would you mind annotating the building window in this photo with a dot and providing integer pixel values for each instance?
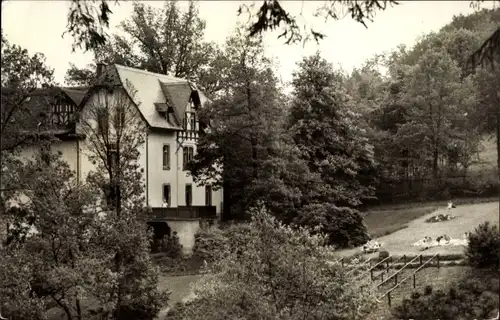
(166, 157)
(62, 114)
(102, 121)
(208, 196)
(190, 121)
(187, 153)
(189, 195)
(166, 194)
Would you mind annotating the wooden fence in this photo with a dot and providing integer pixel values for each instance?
(413, 274)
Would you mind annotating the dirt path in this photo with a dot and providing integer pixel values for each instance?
(180, 286)
(467, 218)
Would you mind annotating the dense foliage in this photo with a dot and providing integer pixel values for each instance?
(80, 250)
(214, 243)
(473, 297)
(281, 273)
(483, 250)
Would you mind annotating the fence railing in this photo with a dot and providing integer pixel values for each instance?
(413, 274)
(359, 266)
(374, 267)
(395, 275)
(390, 266)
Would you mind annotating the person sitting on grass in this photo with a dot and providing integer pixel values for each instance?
(451, 205)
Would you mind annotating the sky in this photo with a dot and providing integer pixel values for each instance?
(38, 26)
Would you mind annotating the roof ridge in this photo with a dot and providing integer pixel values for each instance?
(148, 72)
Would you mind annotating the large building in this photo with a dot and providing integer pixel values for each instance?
(167, 106)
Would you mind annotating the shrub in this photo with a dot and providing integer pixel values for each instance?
(174, 248)
(214, 243)
(383, 254)
(281, 273)
(470, 298)
(343, 226)
(210, 243)
(483, 250)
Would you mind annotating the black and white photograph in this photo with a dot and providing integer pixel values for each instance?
(250, 160)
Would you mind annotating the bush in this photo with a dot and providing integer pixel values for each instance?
(210, 243)
(174, 248)
(214, 243)
(483, 250)
(281, 273)
(471, 298)
(343, 226)
(383, 254)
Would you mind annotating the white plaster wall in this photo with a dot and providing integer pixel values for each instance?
(156, 175)
(176, 177)
(67, 148)
(186, 230)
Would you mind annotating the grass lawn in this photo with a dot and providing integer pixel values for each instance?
(384, 222)
(387, 219)
(399, 242)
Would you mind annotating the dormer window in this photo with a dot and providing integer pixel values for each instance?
(190, 121)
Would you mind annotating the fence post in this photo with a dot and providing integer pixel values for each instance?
(420, 259)
(382, 277)
(371, 274)
(342, 261)
(395, 278)
(438, 260)
(389, 298)
(414, 281)
(387, 263)
(404, 258)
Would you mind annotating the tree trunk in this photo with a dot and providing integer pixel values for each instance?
(498, 150)
(435, 159)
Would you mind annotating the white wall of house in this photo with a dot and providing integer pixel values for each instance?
(174, 176)
(67, 148)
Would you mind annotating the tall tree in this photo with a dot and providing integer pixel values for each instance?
(161, 40)
(440, 102)
(328, 135)
(22, 74)
(20, 119)
(116, 133)
(245, 134)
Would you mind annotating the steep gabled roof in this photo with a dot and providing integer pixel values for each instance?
(178, 95)
(153, 88)
(76, 94)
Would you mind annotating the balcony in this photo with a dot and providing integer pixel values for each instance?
(184, 213)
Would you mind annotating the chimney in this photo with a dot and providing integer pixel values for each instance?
(100, 69)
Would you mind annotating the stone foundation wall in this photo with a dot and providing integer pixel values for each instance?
(186, 230)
